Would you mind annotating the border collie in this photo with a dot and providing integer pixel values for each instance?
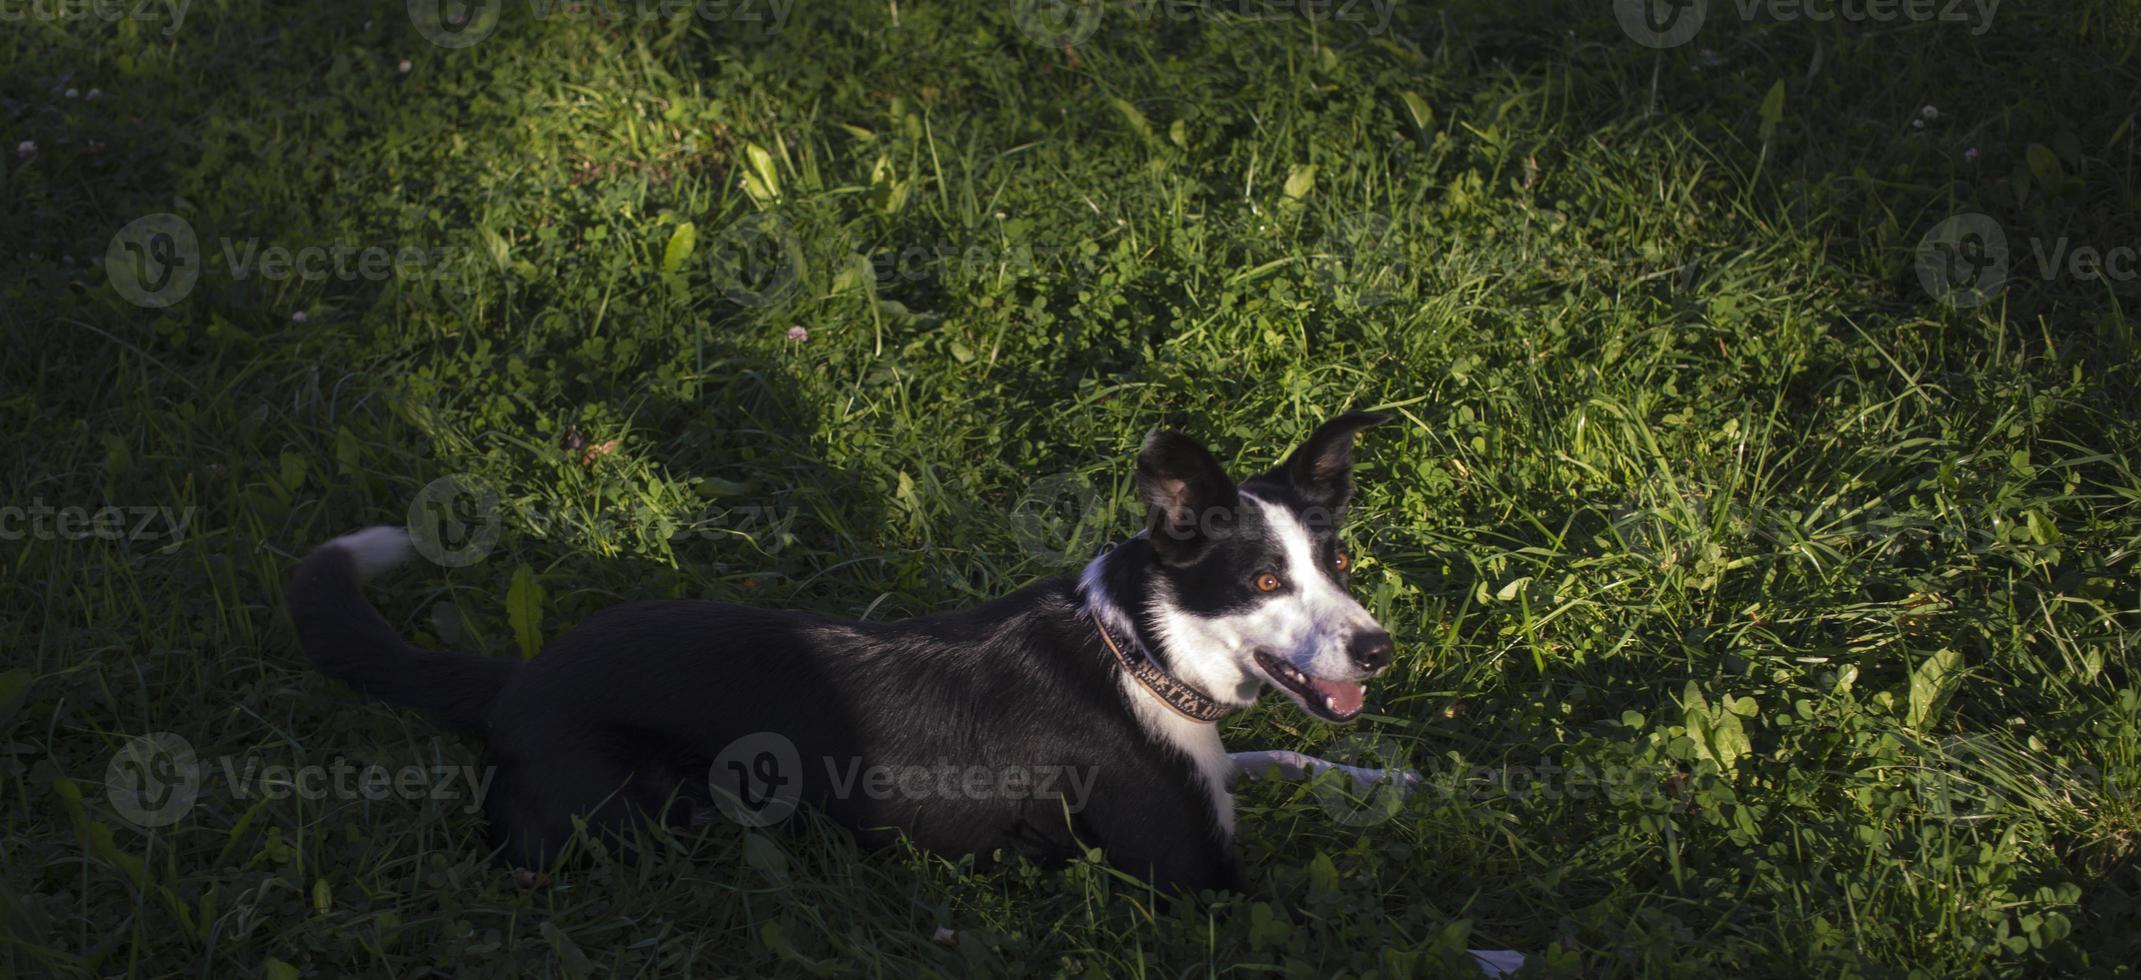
(1116, 677)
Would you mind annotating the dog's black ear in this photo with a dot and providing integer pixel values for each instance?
(1188, 491)
(1321, 470)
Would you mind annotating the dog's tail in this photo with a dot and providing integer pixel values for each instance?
(349, 641)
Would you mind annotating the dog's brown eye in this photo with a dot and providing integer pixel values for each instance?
(1267, 582)
(1342, 561)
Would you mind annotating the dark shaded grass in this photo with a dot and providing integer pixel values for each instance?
(1696, 484)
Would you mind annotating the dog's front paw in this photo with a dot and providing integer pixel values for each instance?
(1405, 781)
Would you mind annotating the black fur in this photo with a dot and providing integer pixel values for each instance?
(1211, 545)
(1190, 496)
(624, 715)
(1321, 469)
(349, 641)
(626, 711)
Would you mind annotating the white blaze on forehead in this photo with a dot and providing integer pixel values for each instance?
(1307, 625)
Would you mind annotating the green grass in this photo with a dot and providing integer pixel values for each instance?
(1694, 484)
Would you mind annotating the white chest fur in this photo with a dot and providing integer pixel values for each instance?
(1197, 741)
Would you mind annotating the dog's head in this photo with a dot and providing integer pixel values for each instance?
(1246, 584)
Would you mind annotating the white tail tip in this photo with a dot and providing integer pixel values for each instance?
(375, 549)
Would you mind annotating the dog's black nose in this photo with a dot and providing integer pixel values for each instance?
(1371, 650)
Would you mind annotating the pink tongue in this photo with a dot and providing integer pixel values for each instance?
(1343, 697)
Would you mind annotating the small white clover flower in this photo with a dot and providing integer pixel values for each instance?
(25, 148)
(1929, 113)
(797, 335)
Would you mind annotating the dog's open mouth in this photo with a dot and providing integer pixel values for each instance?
(1331, 700)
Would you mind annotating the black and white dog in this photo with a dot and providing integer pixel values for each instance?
(1107, 686)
